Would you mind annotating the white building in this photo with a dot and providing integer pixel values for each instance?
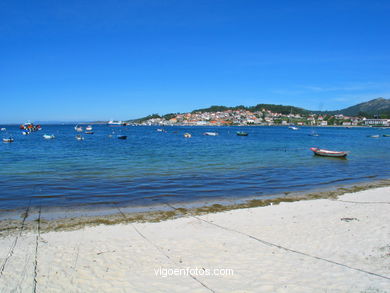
(377, 122)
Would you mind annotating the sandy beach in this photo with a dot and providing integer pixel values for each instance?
(323, 245)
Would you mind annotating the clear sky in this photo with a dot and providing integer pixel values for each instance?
(122, 59)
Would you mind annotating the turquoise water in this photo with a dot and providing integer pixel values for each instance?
(153, 167)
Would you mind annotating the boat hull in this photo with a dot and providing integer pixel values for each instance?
(327, 153)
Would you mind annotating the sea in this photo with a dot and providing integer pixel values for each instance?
(153, 167)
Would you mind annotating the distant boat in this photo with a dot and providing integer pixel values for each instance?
(115, 123)
(26, 132)
(160, 130)
(122, 137)
(210, 133)
(30, 127)
(88, 128)
(241, 133)
(79, 137)
(386, 135)
(187, 135)
(48, 136)
(78, 128)
(89, 132)
(293, 127)
(313, 133)
(9, 139)
(3, 129)
(328, 153)
(373, 136)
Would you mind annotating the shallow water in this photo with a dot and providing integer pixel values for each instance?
(153, 167)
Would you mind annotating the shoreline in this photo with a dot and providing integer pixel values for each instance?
(338, 244)
(25, 219)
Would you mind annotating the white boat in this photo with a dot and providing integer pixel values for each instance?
(187, 135)
(115, 123)
(328, 153)
(78, 128)
(374, 136)
(88, 128)
(79, 137)
(211, 133)
(293, 127)
(48, 136)
(9, 139)
(25, 132)
(3, 129)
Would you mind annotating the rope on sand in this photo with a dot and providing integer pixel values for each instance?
(288, 249)
(163, 253)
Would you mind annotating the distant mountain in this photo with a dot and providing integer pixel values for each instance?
(380, 107)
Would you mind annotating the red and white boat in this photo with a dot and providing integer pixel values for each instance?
(328, 153)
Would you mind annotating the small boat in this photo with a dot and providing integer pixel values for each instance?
(9, 139)
(88, 128)
(115, 123)
(3, 129)
(79, 137)
(293, 127)
(89, 132)
(25, 132)
(122, 137)
(210, 133)
(30, 127)
(160, 130)
(48, 136)
(241, 133)
(187, 135)
(373, 136)
(78, 128)
(386, 135)
(328, 153)
(314, 134)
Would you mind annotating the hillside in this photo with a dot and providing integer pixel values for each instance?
(274, 108)
(379, 106)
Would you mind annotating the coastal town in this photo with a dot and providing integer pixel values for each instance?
(242, 117)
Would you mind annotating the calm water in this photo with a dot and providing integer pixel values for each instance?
(152, 167)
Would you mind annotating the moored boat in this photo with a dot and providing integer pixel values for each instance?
(386, 135)
(122, 137)
(115, 123)
(48, 136)
(88, 128)
(187, 135)
(79, 137)
(3, 129)
(373, 136)
(241, 133)
(210, 133)
(8, 139)
(78, 128)
(89, 132)
(30, 127)
(328, 153)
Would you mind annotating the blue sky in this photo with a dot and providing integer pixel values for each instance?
(119, 59)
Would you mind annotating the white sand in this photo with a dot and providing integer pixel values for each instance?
(324, 253)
